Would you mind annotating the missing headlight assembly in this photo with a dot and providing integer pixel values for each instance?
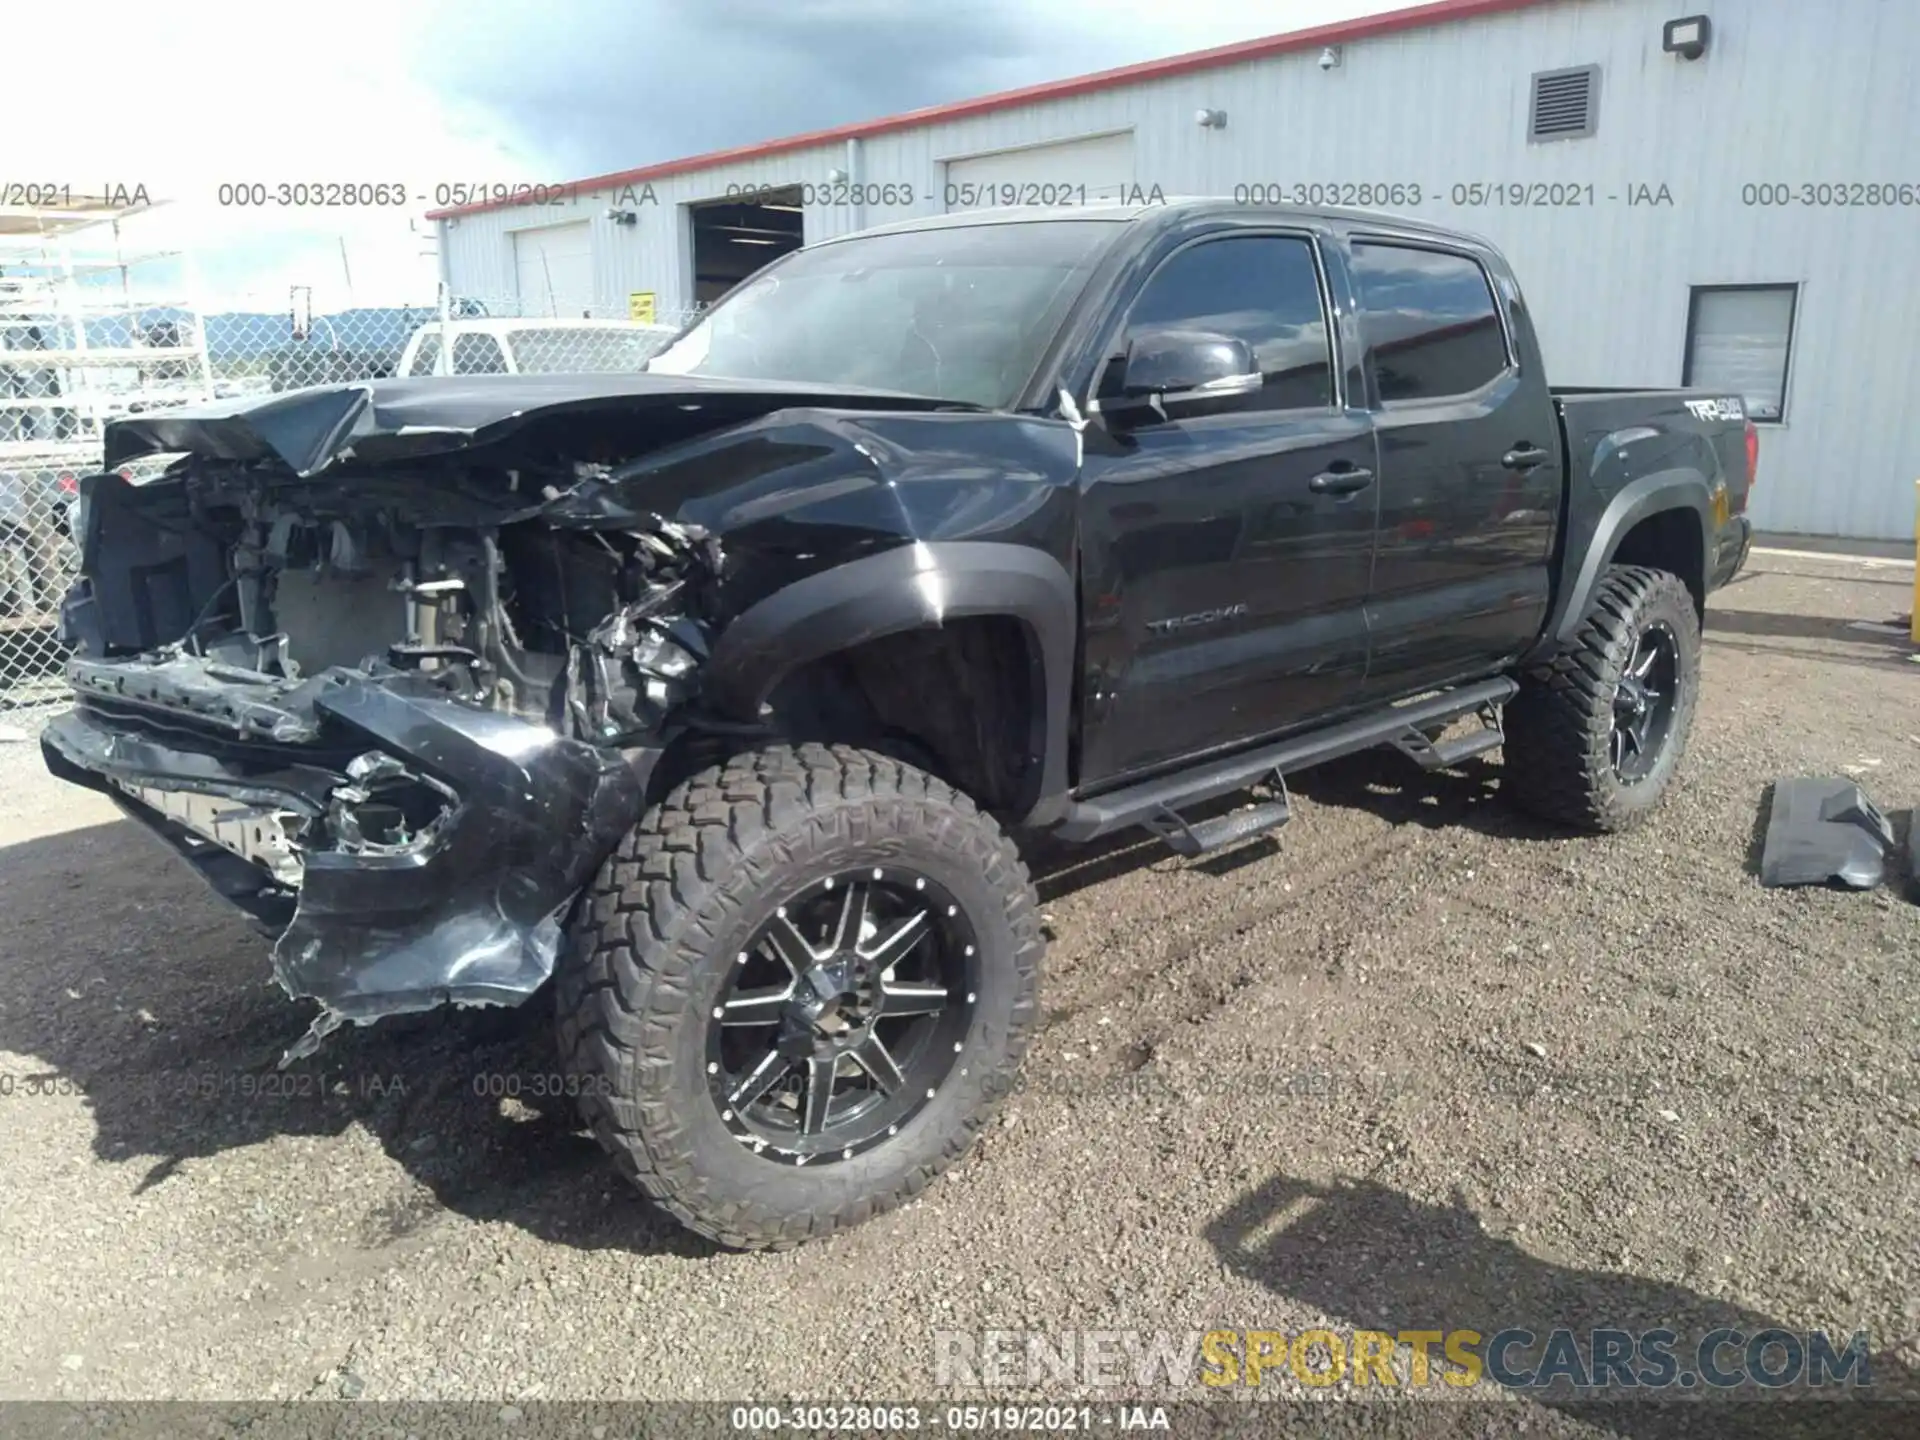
(640, 663)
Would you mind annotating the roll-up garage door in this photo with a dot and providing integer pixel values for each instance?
(553, 267)
(1072, 172)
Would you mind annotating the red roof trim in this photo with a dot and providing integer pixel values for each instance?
(1366, 28)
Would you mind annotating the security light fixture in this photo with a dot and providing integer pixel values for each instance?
(837, 176)
(1687, 37)
(1331, 57)
(624, 217)
(1211, 119)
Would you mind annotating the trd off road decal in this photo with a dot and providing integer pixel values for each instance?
(1730, 407)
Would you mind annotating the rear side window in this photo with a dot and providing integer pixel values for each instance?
(478, 355)
(1430, 322)
(1263, 289)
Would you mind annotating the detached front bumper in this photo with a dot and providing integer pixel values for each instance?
(411, 850)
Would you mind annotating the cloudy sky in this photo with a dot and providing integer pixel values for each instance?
(183, 98)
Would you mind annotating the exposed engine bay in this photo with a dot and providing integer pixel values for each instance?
(477, 596)
(462, 694)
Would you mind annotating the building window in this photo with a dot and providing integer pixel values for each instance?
(1430, 323)
(1740, 339)
(1566, 104)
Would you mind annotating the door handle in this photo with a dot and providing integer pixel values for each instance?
(1525, 457)
(1340, 482)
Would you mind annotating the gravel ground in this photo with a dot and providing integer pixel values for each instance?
(1419, 1062)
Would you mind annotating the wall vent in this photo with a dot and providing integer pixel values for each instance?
(1566, 104)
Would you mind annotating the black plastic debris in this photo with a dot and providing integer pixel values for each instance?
(1825, 829)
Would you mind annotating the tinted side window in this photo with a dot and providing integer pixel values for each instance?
(427, 356)
(478, 355)
(1430, 321)
(1260, 288)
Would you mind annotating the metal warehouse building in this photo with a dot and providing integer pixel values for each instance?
(1727, 197)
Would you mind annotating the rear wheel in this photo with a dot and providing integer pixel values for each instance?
(1596, 733)
(796, 990)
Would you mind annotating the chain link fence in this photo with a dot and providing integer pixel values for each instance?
(67, 370)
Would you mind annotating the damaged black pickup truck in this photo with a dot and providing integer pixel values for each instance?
(716, 694)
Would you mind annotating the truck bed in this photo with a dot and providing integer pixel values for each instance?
(1617, 438)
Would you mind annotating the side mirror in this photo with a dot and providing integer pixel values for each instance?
(1170, 371)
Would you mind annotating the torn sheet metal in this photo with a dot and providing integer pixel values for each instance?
(433, 867)
(642, 662)
(460, 902)
(379, 420)
(1822, 830)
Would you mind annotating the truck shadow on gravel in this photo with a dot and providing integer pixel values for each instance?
(126, 982)
(1374, 1258)
(1381, 783)
(1394, 789)
(1724, 621)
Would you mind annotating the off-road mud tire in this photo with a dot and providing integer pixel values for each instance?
(653, 938)
(1559, 764)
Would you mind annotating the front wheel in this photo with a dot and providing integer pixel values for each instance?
(1596, 733)
(796, 990)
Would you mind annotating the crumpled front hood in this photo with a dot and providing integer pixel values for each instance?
(378, 420)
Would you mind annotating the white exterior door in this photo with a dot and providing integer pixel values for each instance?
(553, 270)
(1072, 172)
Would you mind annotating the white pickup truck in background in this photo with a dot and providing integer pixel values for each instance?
(532, 346)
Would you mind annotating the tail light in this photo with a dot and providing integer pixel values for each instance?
(1753, 454)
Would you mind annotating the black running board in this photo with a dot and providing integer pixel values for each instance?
(1150, 800)
(1202, 837)
(1430, 754)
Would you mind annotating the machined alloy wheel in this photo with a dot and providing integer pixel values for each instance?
(844, 1015)
(1645, 701)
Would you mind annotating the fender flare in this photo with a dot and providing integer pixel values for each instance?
(916, 586)
(1636, 501)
